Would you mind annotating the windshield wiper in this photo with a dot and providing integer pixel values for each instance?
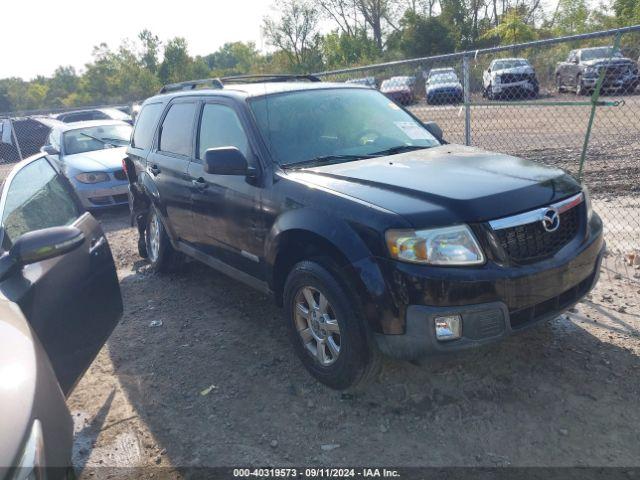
(104, 142)
(327, 160)
(398, 149)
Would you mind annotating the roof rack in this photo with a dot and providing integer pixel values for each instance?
(269, 78)
(192, 85)
(218, 83)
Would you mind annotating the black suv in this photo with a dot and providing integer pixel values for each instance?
(582, 68)
(371, 231)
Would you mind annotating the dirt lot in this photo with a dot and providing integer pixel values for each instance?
(217, 385)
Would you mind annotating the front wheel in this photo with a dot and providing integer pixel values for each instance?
(327, 332)
(580, 88)
(559, 85)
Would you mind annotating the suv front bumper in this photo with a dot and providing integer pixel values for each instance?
(493, 302)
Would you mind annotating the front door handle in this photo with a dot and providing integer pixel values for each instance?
(154, 170)
(200, 183)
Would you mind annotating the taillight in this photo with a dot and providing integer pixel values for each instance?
(124, 165)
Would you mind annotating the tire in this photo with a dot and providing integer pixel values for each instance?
(490, 94)
(559, 86)
(336, 320)
(160, 253)
(580, 89)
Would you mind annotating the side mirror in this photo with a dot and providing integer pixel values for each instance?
(50, 150)
(225, 161)
(489, 70)
(39, 245)
(434, 129)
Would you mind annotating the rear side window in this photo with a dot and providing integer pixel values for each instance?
(36, 198)
(175, 134)
(221, 127)
(146, 125)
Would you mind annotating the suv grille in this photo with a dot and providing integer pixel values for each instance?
(514, 77)
(530, 242)
(120, 175)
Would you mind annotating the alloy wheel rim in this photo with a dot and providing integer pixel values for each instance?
(154, 237)
(317, 325)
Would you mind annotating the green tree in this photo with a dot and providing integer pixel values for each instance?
(340, 49)
(512, 29)
(421, 36)
(296, 33)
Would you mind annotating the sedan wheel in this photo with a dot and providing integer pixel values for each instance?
(317, 325)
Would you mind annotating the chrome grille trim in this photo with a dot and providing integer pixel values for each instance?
(537, 214)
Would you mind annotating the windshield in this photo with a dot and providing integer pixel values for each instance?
(96, 138)
(444, 78)
(602, 52)
(304, 125)
(398, 82)
(515, 63)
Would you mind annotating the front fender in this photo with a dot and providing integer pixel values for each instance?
(362, 271)
(334, 230)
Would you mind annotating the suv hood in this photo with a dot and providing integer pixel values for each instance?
(600, 62)
(106, 160)
(444, 86)
(446, 184)
(502, 71)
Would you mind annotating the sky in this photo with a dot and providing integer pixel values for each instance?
(40, 35)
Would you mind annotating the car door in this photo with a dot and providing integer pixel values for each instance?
(168, 162)
(226, 207)
(72, 301)
(571, 69)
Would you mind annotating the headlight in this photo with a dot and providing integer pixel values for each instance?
(439, 246)
(497, 79)
(32, 465)
(92, 177)
(587, 201)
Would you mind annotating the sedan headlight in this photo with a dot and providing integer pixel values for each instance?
(32, 462)
(449, 246)
(587, 201)
(92, 177)
(497, 79)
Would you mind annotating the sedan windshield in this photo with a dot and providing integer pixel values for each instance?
(444, 78)
(96, 138)
(340, 124)
(597, 53)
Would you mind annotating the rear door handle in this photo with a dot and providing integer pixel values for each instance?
(154, 170)
(200, 183)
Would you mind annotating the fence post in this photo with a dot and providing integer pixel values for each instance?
(594, 104)
(467, 100)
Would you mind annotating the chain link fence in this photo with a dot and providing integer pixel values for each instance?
(568, 102)
(23, 134)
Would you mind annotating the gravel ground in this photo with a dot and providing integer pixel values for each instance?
(217, 384)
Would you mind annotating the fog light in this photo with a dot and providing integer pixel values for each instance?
(448, 328)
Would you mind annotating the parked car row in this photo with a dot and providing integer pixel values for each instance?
(515, 78)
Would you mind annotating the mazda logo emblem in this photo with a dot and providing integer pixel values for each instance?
(551, 220)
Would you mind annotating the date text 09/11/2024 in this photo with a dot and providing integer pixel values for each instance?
(316, 473)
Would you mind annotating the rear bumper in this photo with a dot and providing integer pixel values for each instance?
(493, 301)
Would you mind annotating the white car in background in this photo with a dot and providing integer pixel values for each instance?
(510, 78)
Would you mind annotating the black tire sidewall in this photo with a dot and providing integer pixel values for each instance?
(164, 251)
(354, 348)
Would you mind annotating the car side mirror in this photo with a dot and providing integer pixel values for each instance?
(434, 129)
(225, 161)
(489, 70)
(39, 245)
(50, 150)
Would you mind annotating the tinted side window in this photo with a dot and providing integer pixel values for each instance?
(175, 135)
(146, 125)
(221, 127)
(36, 198)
